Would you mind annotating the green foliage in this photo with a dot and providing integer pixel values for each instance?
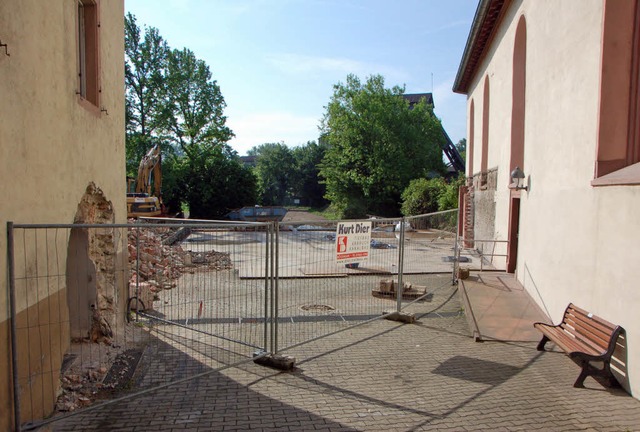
(424, 196)
(173, 171)
(421, 196)
(171, 99)
(192, 115)
(216, 183)
(328, 212)
(461, 146)
(376, 145)
(145, 61)
(306, 179)
(448, 200)
(284, 173)
(274, 169)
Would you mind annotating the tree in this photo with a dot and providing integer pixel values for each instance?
(461, 146)
(193, 107)
(172, 99)
(306, 180)
(275, 169)
(376, 145)
(145, 62)
(216, 183)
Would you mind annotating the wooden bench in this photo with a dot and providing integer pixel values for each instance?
(585, 338)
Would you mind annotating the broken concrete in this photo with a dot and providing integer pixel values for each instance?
(155, 265)
(388, 287)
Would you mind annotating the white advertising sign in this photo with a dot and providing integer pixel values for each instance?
(353, 240)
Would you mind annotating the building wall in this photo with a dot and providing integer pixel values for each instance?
(484, 203)
(52, 145)
(577, 242)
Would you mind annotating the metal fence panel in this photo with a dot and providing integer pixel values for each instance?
(430, 259)
(333, 297)
(101, 309)
(315, 295)
(104, 308)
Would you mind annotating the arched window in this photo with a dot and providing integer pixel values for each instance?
(472, 121)
(518, 96)
(484, 156)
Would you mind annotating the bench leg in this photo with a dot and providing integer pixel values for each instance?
(542, 343)
(583, 375)
(613, 382)
(588, 369)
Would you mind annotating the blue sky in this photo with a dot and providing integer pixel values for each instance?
(276, 61)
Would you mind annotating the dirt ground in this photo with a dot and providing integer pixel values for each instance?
(302, 216)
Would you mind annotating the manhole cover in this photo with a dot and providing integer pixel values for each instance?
(317, 308)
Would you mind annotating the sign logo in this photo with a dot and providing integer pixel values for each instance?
(342, 244)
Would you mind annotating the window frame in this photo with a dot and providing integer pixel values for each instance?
(618, 147)
(87, 53)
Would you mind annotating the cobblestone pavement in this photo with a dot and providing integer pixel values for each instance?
(382, 376)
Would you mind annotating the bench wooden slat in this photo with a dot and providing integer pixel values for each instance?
(601, 340)
(598, 345)
(585, 338)
(593, 320)
(567, 342)
(594, 317)
(589, 325)
(591, 330)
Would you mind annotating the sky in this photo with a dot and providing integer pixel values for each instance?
(276, 61)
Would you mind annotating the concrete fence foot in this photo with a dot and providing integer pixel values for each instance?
(276, 361)
(408, 318)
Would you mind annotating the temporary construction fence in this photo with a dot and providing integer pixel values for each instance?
(92, 304)
(403, 267)
(99, 311)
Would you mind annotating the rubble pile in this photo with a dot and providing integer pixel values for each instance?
(156, 266)
(80, 390)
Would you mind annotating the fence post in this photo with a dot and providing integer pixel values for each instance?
(400, 266)
(14, 331)
(456, 256)
(276, 285)
(271, 290)
(266, 289)
(138, 302)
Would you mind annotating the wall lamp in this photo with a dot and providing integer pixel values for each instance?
(517, 179)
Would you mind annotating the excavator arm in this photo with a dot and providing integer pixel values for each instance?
(147, 201)
(150, 173)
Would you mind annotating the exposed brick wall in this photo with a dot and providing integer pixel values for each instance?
(94, 208)
(484, 206)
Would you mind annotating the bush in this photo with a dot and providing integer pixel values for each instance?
(421, 196)
(449, 198)
(428, 196)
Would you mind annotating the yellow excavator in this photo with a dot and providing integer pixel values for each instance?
(144, 197)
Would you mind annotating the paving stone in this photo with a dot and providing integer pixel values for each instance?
(379, 376)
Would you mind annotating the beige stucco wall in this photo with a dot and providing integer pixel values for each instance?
(577, 243)
(51, 146)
